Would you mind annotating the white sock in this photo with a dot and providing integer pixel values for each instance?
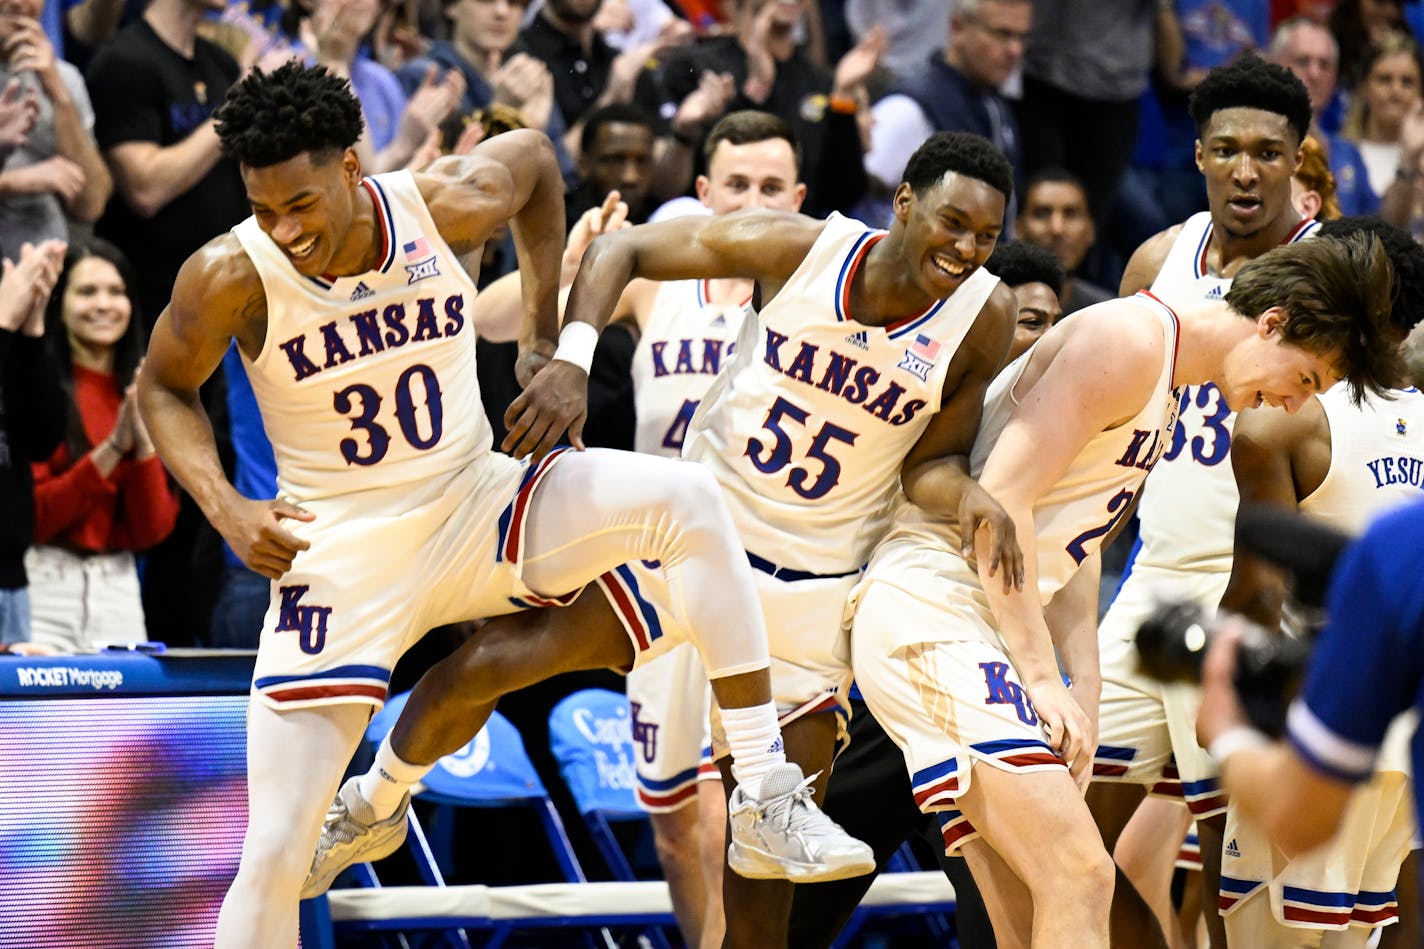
(389, 779)
(754, 738)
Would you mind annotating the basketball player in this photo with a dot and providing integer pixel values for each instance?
(870, 790)
(345, 298)
(686, 329)
(1251, 117)
(963, 674)
(1344, 464)
(865, 368)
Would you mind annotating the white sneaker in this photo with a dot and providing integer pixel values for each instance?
(785, 836)
(352, 835)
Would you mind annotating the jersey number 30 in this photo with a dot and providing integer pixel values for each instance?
(365, 403)
(769, 459)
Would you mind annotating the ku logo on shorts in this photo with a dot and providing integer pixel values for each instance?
(309, 620)
(644, 733)
(1003, 691)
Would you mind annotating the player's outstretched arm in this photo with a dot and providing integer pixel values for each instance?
(765, 246)
(935, 474)
(216, 298)
(1076, 396)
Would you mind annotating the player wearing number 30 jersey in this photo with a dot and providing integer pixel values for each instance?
(347, 301)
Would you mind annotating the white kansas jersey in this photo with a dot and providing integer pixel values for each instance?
(369, 381)
(1071, 519)
(807, 427)
(1188, 513)
(1376, 457)
(680, 350)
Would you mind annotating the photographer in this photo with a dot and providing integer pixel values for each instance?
(1367, 668)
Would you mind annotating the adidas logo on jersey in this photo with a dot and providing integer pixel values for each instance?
(1231, 849)
(859, 340)
(362, 291)
(719, 320)
(1214, 293)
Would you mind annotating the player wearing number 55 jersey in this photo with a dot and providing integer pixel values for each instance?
(961, 670)
(865, 368)
(346, 299)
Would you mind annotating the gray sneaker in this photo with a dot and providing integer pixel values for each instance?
(352, 835)
(785, 836)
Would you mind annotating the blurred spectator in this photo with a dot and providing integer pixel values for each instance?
(1359, 25)
(58, 171)
(19, 109)
(767, 70)
(481, 33)
(1085, 69)
(563, 37)
(1036, 277)
(1308, 49)
(1387, 95)
(31, 418)
(955, 89)
(629, 23)
(1055, 216)
(154, 88)
(1211, 33)
(90, 23)
(1312, 185)
(399, 131)
(103, 494)
(913, 29)
(615, 154)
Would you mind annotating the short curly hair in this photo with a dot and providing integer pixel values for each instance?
(1019, 262)
(973, 156)
(1252, 83)
(269, 118)
(1337, 294)
(1405, 255)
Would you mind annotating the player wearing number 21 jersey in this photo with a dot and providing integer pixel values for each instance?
(962, 673)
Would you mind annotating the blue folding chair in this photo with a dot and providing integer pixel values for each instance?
(590, 736)
(492, 770)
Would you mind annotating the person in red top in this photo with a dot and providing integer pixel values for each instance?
(103, 494)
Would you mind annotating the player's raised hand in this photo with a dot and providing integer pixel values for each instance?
(254, 531)
(978, 511)
(555, 401)
(1067, 728)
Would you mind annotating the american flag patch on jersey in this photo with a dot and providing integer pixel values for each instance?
(420, 247)
(924, 347)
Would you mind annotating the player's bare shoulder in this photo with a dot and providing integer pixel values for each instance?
(1146, 262)
(219, 292)
(470, 195)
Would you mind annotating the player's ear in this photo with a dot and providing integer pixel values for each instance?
(1270, 322)
(903, 200)
(351, 165)
(1198, 157)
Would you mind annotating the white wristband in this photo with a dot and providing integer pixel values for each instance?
(577, 341)
(1238, 738)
